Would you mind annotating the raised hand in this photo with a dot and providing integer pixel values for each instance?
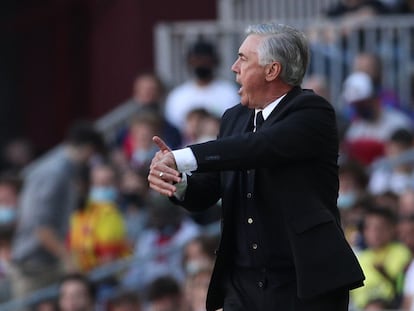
(163, 170)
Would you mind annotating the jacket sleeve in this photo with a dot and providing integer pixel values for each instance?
(307, 131)
(202, 192)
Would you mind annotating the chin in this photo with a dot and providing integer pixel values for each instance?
(244, 102)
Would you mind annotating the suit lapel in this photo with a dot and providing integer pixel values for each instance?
(283, 105)
(247, 121)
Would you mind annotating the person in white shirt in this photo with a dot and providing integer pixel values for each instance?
(204, 90)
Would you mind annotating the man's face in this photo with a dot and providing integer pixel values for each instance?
(249, 73)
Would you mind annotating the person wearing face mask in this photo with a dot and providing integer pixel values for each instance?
(353, 180)
(204, 90)
(372, 125)
(97, 231)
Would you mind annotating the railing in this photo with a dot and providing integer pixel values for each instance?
(242, 10)
(332, 51)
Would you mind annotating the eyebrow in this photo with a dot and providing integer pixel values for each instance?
(241, 54)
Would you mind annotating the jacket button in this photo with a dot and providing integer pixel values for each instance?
(250, 220)
(260, 284)
(254, 246)
(249, 195)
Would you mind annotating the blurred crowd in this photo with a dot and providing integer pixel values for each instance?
(88, 205)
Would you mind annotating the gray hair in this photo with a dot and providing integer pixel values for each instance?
(283, 44)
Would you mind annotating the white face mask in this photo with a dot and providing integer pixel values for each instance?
(103, 194)
(8, 214)
(346, 200)
(193, 266)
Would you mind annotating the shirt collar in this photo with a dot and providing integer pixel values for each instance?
(269, 108)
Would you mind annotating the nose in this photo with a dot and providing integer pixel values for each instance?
(235, 66)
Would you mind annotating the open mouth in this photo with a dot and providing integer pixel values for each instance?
(241, 87)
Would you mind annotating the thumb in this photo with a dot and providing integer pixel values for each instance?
(161, 144)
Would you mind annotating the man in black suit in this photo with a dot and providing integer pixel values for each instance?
(274, 166)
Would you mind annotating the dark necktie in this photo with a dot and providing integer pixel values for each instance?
(259, 120)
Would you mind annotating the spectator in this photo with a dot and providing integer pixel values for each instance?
(200, 126)
(9, 193)
(17, 153)
(133, 203)
(103, 184)
(199, 253)
(394, 178)
(76, 293)
(125, 301)
(204, 90)
(352, 220)
(168, 230)
(352, 184)
(384, 260)
(48, 198)
(147, 97)
(97, 233)
(191, 130)
(372, 127)
(143, 127)
(371, 64)
(208, 129)
(164, 294)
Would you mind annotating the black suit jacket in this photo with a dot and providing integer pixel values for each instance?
(296, 185)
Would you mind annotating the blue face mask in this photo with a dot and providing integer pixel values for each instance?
(103, 194)
(346, 200)
(8, 215)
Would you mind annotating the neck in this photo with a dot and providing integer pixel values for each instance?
(276, 93)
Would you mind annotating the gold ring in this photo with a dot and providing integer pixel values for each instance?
(161, 174)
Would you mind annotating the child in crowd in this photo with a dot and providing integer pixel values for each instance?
(97, 232)
(383, 261)
(139, 147)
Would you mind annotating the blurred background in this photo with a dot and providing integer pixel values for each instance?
(64, 60)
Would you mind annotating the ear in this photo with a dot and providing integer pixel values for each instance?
(272, 71)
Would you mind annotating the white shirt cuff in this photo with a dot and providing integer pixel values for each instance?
(181, 188)
(185, 160)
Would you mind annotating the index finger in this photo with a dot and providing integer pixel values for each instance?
(161, 144)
